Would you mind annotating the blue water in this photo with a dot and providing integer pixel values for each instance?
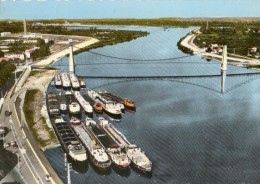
(191, 132)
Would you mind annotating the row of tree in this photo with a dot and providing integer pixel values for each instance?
(239, 39)
(6, 70)
(43, 51)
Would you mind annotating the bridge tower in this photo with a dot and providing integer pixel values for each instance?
(71, 61)
(224, 69)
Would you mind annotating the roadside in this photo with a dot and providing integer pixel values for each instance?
(188, 42)
(34, 107)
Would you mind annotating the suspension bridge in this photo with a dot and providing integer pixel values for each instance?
(176, 68)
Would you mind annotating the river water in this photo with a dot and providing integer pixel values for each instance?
(191, 132)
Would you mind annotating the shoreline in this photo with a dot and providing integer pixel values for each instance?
(55, 56)
(187, 42)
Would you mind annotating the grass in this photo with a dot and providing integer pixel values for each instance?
(28, 109)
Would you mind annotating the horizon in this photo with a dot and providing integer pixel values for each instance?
(126, 9)
(238, 17)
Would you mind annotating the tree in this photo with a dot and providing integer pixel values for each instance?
(2, 54)
(40, 42)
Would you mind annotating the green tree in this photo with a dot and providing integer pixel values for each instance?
(2, 54)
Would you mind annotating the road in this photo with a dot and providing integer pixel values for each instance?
(32, 167)
(188, 42)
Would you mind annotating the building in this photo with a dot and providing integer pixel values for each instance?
(253, 49)
(17, 54)
(29, 36)
(5, 59)
(30, 41)
(8, 41)
(28, 53)
(4, 48)
(5, 34)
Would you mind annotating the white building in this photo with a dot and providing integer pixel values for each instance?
(253, 49)
(18, 54)
(28, 53)
(30, 36)
(30, 41)
(8, 41)
(4, 34)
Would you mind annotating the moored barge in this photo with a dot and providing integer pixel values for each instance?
(110, 108)
(84, 104)
(129, 105)
(69, 140)
(57, 80)
(74, 81)
(134, 153)
(53, 104)
(97, 154)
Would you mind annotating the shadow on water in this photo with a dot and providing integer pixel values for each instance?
(182, 81)
(80, 167)
(121, 172)
(8, 161)
(170, 80)
(100, 172)
(142, 173)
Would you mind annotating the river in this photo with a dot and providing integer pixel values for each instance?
(191, 132)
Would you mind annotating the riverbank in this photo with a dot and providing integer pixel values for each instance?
(188, 42)
(35, 110)
(54, 57)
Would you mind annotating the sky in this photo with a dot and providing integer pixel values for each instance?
(88, 9)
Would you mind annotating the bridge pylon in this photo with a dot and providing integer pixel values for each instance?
(71, 61)
(224, 69)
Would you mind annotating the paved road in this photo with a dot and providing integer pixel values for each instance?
(33, 167)
(188, 42)
(28, 167)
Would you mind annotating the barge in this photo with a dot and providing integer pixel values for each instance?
(84, 104)
(119, 158)
(134, 153)
(129, 105)
(82, 83)
(110, 108)
(97, 107)
(74, 81)
(97, 153)
(53, 104)
(74, 109)
(68, 140)
(57, 80)
(65, 81)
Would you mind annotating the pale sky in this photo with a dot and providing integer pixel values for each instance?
(85, 9)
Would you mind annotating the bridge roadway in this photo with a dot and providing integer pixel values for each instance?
(169, 77)
(32, 166)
